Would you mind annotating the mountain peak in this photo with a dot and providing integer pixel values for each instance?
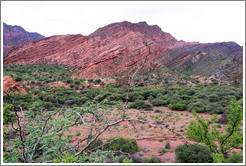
(14, 35)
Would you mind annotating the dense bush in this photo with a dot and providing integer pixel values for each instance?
(214, 108)
(95, 144)
(167, 145)
(198, 105)
(124, 144)
(97, 81)
(187, 92)
(152, 160)
(92, 93)
(158, 102)
(178, 106)
(234, 158)
(7, 114)
(214, 98)
(102, 96)
(18, 79)
(77, 82)
(209, 99)
(193, 153)
(90, 80)
(116, 97)
(139, 104)
(150, 92)
(48, 105)
(69, 81)
(133, 96)
(174, 99)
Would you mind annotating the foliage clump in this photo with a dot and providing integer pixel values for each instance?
(234, 158)
(123, 144)
(139, 104)
(95, 145)
(193, 153)
(152, 159)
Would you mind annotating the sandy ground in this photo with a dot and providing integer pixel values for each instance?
(150, 139)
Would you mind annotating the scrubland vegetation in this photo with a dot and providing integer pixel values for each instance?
(37, 125)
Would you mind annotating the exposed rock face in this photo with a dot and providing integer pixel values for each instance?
(119, 48)
(10, 86)
(16, 35)
(223, 60)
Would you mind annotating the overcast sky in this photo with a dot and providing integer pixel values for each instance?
(189, 21)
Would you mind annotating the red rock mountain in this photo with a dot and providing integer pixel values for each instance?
(119, 48)
(16, 35)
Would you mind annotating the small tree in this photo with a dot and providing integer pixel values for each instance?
(202, 132)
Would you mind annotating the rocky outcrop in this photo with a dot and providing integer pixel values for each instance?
(16, 35)
(11, 87)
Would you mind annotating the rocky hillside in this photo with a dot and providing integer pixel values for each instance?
(16, 35)
(223, 60)
(119, 48)
(10, 86)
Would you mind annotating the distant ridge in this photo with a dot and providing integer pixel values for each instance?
(16, 35)
(119, 48)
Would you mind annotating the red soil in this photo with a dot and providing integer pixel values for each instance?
(10, 86)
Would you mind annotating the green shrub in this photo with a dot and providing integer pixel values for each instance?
(160, 140)
(77, 82)
(234, 158)
(69, 81)
(186, 97)
(7, 114)
(177, 106)
(152, 160)
(214, 108)
(117, 97)
(167, 145)
(5, 132)
(193, 153)
(187, 92)
(97, 81)
(82, 100)
(198, 105)
(82, 80)
(18, 79)
(124, 144)
(157, 102)
(174, 99)
(202, 96)
(48, 105)
(139, 104)
(92, 93)
(133, 96)
(95, 144)
(150, 92)
(162, 151)
(102, 96)
(70, 102)
(90, 80)
(214, 98)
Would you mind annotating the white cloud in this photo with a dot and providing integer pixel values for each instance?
(190, 21)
